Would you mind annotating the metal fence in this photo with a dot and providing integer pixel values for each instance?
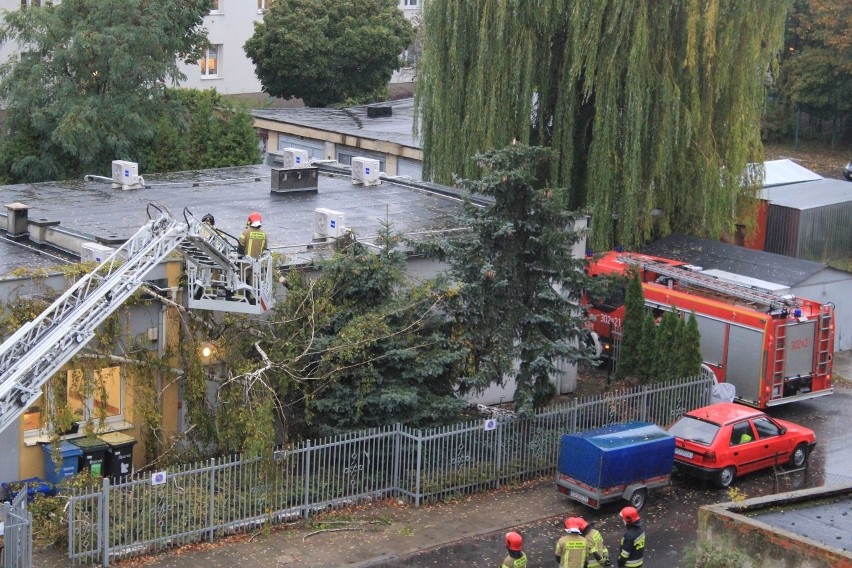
(227, 495)
(17, 533)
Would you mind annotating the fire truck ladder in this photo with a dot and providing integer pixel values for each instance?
(780, 361)
(41, 347)
(697, 279)
(825, 332)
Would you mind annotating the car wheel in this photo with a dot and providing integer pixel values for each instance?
(799, 456)
(638, 498)
(726, 477)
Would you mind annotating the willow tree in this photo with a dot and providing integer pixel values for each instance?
(649, 105)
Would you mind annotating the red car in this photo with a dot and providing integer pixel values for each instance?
(722, 441)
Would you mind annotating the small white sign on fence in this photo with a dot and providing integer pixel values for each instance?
(490, 424)
(158, 478)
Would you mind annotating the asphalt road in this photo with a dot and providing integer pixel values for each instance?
(671, 514)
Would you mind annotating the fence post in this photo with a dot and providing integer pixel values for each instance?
(307, 478)
(103, 525)
(212, 497)
(7, 551)
(645, 392)
(499, 472)
(397, 450)
(417, 475)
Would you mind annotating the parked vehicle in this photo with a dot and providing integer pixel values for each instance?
(620, 461)
(773, 348)
(847, 172)
(723, 441)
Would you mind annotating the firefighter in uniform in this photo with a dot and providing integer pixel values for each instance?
(598, 553)
(515, 558)
(572, 549)
(252, 241)
(633, 541)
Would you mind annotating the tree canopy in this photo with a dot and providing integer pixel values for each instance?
(650, 106)
(90, 82)
(816, 68)
(329, 51)
(514, 283)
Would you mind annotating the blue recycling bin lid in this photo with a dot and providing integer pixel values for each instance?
(67, 450)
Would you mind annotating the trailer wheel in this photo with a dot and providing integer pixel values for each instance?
(726, 477)
(799, 456)
(638, 498)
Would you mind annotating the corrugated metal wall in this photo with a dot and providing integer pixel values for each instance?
(822, 234)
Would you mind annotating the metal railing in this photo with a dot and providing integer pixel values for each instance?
(227, 495)
(17, 532)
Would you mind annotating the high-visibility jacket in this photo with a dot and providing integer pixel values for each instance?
(572, 550)
(252, 242)
(596, 546)
(510, 562)
(632, 546)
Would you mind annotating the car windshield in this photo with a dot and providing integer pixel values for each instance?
(694, 430)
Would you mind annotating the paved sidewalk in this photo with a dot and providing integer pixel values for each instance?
(370, 535)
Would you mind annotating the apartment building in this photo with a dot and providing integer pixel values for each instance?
(225, 68)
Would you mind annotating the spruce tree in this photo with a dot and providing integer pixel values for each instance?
(689, 348)
(648, 355)
(631, 327)
(666, 343)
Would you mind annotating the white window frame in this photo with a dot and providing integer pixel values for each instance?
(109, 424)
(262, 5)
(409, 3)
(217, 7)
(205, 70)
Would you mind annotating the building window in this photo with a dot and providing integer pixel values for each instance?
(29, 3)
(98, 396)
(345, 158)
(409, 3)
(262, 4)
(215, 9)
(210, 63)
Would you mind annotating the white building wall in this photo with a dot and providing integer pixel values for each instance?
(230, 27)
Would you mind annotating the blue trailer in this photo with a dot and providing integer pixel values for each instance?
(620, 461)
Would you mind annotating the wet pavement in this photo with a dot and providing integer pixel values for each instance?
(469, 532)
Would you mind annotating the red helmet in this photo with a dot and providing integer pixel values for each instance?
(581, 523)
(571, 525)
(514, 541)
(629, 515)
(254, 219)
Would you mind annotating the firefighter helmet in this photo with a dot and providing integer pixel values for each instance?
(571, 525)
(629, 515)
(208, 219)
(255, 220)
(514, 541)
(581, 523)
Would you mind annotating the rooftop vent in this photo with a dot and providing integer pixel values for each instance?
(292, 180)
(365, 171)
(379, 111)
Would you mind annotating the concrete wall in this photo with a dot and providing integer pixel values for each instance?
(732, 527)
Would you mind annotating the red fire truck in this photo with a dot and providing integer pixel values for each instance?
(774, 348)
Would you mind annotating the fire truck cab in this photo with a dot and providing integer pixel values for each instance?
(773, 348)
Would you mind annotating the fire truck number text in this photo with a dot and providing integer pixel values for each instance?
(801, 344)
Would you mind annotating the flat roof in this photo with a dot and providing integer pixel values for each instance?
(16, 255)
(828, 521)
(809, 195)
(230, 194)
(709, 254)
(785, 171)
(353, 120)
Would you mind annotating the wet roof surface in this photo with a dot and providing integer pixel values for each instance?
(828, 521)
(354, 120)
(15, 256)
(230, 194)
(707, 254)
(809, 194)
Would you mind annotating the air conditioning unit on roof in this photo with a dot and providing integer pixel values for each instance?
(365, 171)
(328, 224)
(125, 175)
(294, 158)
